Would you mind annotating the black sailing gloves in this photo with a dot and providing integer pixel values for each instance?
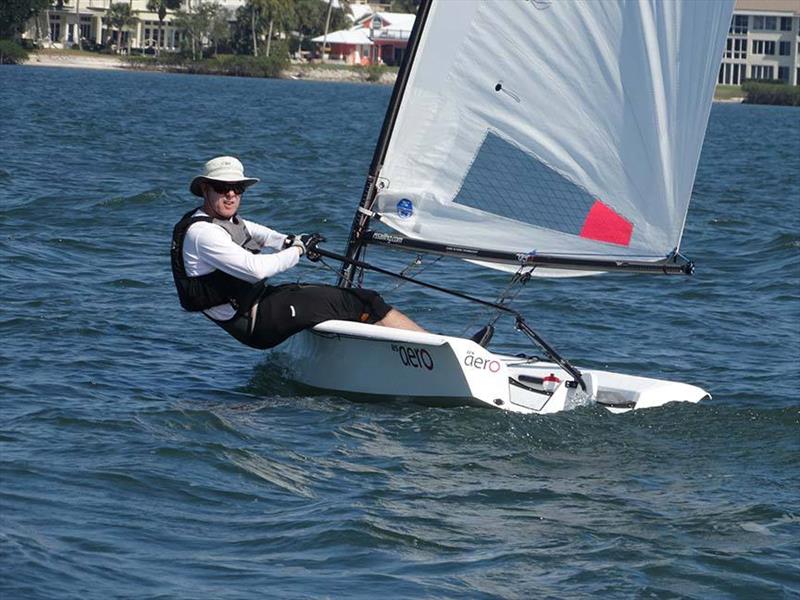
(307, 242)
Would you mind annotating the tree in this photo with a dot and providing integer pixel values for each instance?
(219, 29)
(404, 6)
(311, 16)
(119, 17)
(161, 7)
(202, 26)
(271, 13)
(15, 13)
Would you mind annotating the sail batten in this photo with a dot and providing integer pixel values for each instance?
(562, 128)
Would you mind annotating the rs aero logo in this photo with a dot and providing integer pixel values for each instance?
(405, 208)
(480, 363)
(417, 358)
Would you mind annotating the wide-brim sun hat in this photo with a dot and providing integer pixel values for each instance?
(222, 168)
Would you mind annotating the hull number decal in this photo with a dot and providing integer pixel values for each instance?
(417, 358)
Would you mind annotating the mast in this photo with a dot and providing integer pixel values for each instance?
(362, 216)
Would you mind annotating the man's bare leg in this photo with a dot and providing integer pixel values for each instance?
(394, 318)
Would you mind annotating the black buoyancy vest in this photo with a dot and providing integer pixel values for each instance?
(215, 288)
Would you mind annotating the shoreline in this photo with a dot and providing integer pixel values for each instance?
(111, 63)
(293, 72)
(114, 63)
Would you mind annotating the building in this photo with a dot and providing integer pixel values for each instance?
(763, 42)
(68, 20)
(375, 38)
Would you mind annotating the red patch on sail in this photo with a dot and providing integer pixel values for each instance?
(605, 225)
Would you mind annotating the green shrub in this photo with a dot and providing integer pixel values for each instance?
(12, 53)
(374, 72)
(757, 92)
(222, 64)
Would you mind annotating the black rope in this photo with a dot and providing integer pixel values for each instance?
(521, 325)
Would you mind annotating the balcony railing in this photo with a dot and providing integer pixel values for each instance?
(390, 34)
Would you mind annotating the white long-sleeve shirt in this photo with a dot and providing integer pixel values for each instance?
(208, 246)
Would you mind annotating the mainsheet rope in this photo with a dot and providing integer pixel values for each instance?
(521, 325)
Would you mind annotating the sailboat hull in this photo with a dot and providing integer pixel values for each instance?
(378, 362)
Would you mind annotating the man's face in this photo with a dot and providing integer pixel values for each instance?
(222, 199)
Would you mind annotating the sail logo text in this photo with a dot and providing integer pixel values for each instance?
(418, 358)
(483, 364)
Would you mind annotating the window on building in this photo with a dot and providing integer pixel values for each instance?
(86, 27)
(785, 48)
(783, 74)
(731, 74)
(762, 72)
(55, 30)
(765, 23)
(763, 47)
(738, 24)
(740, 48)
(786, 23)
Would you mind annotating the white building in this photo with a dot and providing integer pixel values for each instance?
(763, 42)
(66, 20)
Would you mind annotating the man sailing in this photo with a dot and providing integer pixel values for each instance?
(219, 269)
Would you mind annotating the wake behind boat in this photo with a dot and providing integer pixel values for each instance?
(540, 138)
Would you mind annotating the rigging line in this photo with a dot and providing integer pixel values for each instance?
(492, 314)
(414, 263)
(337, 272)
(518, 280)
(521, 325)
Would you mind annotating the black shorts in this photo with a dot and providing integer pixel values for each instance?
(284, 310)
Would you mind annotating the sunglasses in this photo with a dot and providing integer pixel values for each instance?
(223, 187)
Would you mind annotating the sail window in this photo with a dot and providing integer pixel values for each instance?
(507, 181)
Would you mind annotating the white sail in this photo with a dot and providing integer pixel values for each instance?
(556, 127)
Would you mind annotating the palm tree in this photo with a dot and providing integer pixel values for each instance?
(120, 17)
(161, 7)
(345, 8)
(272, 11)
(219, 27)
(199, 26)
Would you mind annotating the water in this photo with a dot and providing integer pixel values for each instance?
(145, 454)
